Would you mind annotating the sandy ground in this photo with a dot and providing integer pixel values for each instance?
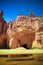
(27, 59)
(20, 61)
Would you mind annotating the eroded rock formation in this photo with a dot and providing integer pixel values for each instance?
(20, 32)
(3, 29)
(22, 39)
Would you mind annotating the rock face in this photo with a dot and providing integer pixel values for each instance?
(20, 34)
(39, 38)
(3, 29)
(22, 39)
(22, 31)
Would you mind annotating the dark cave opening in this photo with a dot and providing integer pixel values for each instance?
(24, 45)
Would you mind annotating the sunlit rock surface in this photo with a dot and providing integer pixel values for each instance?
(38, 43)
(24, 31)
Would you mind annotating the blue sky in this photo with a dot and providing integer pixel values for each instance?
(12, 8)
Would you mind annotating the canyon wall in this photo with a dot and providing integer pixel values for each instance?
(21, 32)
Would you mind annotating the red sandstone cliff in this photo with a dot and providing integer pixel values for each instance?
(18, 33)
(3, 29)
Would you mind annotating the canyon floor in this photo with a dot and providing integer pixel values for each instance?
(21, 59)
